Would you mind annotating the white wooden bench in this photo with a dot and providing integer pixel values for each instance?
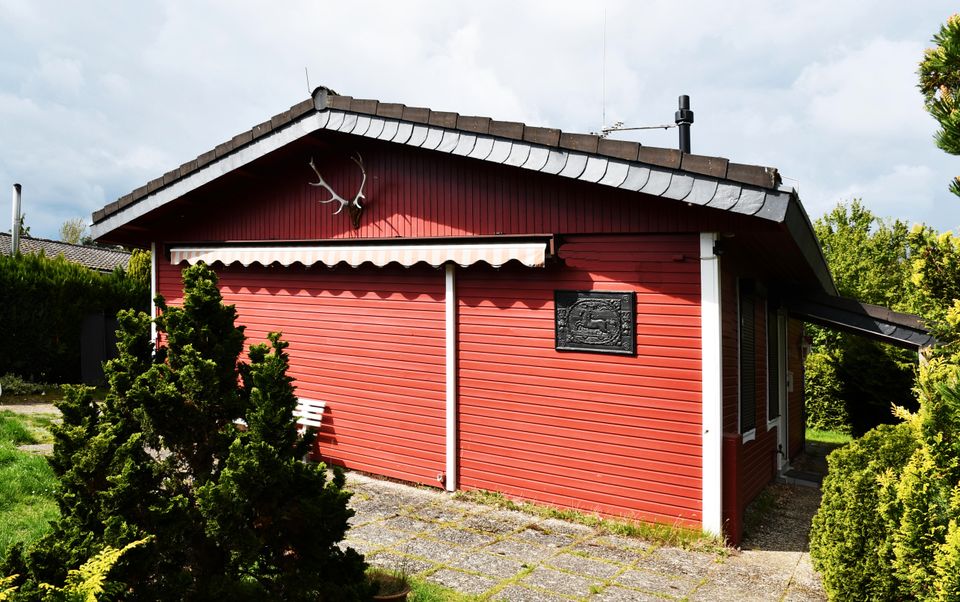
(309, 413)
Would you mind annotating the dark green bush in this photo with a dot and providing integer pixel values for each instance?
(12, 384)
(824, 404)
(230, 514)
(44, 303)
(850, 541)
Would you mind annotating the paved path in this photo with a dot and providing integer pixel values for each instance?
(508, 555)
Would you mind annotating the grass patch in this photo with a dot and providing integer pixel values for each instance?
(424, 591)
(658, 533)
(27, 484)
(24, 429)
(828, 437)
(14, 430)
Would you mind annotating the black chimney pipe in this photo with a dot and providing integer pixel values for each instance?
(683, 119)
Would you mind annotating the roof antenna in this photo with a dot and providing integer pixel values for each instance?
(603, 74)
(307, 75)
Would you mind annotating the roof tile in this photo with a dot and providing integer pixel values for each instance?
(765, 177)
(206, 158)
(280, 119)
(443, 119)
(506, 129)
(544, 136)
(708, 166)
(301, 108)
(223, 148)
(364, 105)
(390, 110)
(127, 199)
(170, 176)
(585, 143)
(242, 139)
(262, 129)
(416, 114)
(339, 102)
(154, 185)
(477, 125)
(621, 149)
(662, 157)
(97, 258)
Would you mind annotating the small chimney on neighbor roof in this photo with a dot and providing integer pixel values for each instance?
(15, 230)
(683, 119)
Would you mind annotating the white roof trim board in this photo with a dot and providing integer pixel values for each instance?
(531, 254)
(634, 176)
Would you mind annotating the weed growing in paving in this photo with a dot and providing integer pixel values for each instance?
(670, 535)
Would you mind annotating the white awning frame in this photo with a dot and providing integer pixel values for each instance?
(495, 253)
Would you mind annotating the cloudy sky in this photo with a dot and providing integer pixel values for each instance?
(97, 98)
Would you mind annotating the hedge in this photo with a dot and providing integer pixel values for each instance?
(44, 301)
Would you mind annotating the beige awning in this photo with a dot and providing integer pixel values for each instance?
(532, 254)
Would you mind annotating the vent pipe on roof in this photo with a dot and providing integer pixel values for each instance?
(683, 118)
(15, 230)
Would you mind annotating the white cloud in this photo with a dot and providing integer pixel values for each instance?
(92, 107)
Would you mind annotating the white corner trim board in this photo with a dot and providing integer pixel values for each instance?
(153, 292)
(711, 374)
(450, 297)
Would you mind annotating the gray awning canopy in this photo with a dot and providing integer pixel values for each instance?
(872, 321)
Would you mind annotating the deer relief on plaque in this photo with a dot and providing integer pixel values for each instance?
(596, 321)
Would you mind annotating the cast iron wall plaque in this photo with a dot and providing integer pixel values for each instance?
(596, 321)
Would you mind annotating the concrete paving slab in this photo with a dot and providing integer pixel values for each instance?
(588, 567)
(623, 556)
(466, 583)
(433, 550)
(498, 523)
(620, 594)
(407, 524)
(493, 565)
(542, 537)
(521, 550)
(390, 560)
(376, 535)
(518, 593)
(556, 581)
(657, 582)
(463, 537)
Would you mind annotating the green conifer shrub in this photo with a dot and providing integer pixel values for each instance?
(850, 539)
(231, 514)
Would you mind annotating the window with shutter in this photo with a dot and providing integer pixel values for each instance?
(773, 364)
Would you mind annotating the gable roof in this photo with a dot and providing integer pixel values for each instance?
(95, 258)
(713, 182)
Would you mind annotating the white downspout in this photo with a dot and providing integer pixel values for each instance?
(711, 373)
(153, 293)
(450, 297)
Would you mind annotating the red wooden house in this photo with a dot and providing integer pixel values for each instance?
(578, 321)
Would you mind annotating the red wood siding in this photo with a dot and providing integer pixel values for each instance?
(416, 193)
(369, 342)
(613, 434)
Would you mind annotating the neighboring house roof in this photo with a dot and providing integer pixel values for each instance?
(95, 258)
(713, 182)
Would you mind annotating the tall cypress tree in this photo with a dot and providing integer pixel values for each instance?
(233, 513)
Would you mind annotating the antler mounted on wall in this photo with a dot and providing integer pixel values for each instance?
(354, 206)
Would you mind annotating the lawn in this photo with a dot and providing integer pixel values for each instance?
(26, 481)
(831, 438)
